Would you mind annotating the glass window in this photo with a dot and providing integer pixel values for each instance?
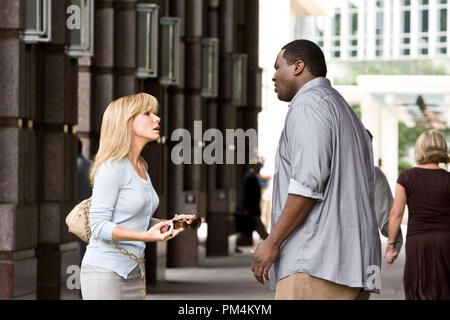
(354, 23)
(38, 21)
(424, 21)
(337, 25)
(423, 1)
(379, 22)
(210, 67)
(443, 20)
(82, 37)
(406, 2)
(406, 21)
(170, 53)
(147, 40)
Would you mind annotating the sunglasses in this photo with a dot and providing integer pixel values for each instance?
(181, 224)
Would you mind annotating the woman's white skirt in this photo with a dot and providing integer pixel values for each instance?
(103, 284)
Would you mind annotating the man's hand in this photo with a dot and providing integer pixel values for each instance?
(263, 258)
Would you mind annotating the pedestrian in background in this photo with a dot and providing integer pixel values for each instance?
(324, 236)
(383, 204)
(426, 190)
(251, 197)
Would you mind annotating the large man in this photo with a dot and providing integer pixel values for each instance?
(324, 242)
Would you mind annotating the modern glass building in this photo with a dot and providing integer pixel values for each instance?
(380, 29)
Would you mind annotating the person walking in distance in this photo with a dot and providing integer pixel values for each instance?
(426, 190)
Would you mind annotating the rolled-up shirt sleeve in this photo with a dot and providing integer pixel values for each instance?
(310, 149)
(107, 184)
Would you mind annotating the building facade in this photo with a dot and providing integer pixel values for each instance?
(391, 59)
(58, 75)
(364, 30)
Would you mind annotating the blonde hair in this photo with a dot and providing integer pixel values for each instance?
(117, 128)
(431, 147)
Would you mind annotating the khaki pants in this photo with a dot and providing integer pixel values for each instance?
(103, 284)
(302, 286)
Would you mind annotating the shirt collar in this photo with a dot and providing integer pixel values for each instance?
(321, 81)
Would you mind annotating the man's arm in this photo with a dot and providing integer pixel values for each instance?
(294, 214)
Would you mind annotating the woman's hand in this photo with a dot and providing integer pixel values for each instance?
(154, 233)
(390, 254)
(185, 217)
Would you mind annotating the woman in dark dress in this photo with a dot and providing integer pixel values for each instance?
(426, 190)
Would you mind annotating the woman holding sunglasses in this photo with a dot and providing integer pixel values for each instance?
(123, 202)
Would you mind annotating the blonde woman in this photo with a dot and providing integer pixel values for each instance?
(426, 190)
(123, 202)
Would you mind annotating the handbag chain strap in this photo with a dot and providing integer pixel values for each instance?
(123, 251)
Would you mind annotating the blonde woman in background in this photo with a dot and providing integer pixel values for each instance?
(426, 190)
(123, 202)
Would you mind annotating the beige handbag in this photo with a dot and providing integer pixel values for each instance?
(78, 220)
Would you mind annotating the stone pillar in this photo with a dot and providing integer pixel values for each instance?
(247, 116)
(218, 216)
(124, 48)
(222, 200)
(103, 63)
(384, 127)
(85, 129)
(18, 209)
(157, 158)
(57, 78)
(184, 108)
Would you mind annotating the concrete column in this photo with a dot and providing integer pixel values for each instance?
(184, 108)
(396, 29)
(371, 29)
(414, 28)
(85, 128)
(217, 205)
(345, 30)
(389, 146)
(361, 29)
(103, 63)
(57, 78)
(124, 48)
(18, 209)
(327, 38)
(387, 32)
(384, 128)
(433, 27)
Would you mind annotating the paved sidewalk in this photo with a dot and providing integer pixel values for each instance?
(230, 278)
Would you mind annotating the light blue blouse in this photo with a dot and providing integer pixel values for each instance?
(120, 197)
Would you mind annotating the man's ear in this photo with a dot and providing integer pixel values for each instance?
(299, 67)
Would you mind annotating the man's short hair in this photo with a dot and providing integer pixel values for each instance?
(309, 53)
